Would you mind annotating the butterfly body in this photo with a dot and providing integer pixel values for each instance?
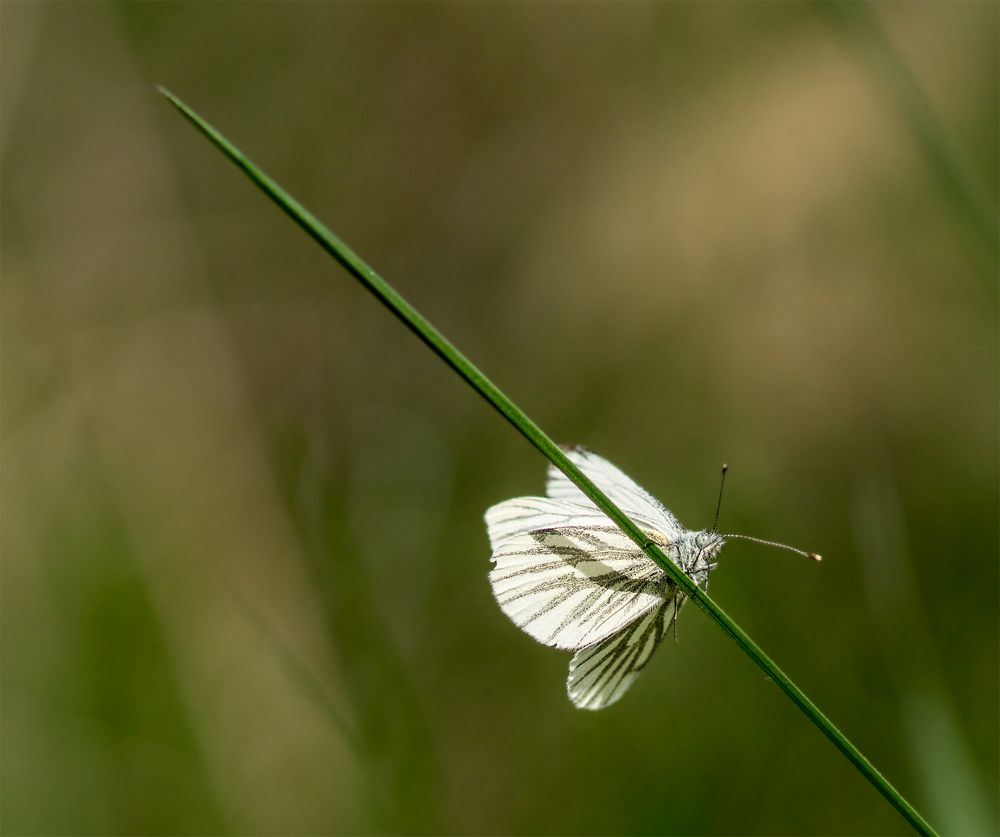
(695, 552)
(571, 579)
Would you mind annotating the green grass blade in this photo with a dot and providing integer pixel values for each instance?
(378, 796)
(499, 401)
(946, 162)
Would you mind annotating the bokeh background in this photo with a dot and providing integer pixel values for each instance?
(244, 564)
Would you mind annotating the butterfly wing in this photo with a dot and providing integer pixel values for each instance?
(571, 587)
(602, 672)
(527, 514)
(621, 489)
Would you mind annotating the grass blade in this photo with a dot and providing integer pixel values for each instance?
(946, 162)
(378, 796)
(413, 320)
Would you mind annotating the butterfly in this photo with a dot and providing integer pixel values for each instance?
(570, 578)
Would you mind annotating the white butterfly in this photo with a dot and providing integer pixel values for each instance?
(566, 575)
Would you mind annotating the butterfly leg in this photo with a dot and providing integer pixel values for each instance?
(703, 583)
(679, 600)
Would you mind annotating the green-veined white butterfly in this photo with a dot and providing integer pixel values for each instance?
(569, 577)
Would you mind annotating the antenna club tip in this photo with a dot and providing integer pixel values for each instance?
(725, 467)
(815, 556)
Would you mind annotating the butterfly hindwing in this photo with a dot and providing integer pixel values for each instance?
(571, 587)
(602, 672)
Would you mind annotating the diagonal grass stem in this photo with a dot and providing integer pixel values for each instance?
(947, 163)
(436, 341)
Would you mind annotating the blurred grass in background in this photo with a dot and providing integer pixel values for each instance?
(680, 234)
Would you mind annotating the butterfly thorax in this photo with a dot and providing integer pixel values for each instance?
(695, 553)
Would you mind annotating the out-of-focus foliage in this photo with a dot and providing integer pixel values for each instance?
(244, 565)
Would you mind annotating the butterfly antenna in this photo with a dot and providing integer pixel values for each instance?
(718, 506)
(813, 555)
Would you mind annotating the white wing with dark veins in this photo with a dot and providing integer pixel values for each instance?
(621, 489)
(526, 514)
(573, 586)
(601, 673)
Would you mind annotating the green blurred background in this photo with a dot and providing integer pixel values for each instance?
(244, 562)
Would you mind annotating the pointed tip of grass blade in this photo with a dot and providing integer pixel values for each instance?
(189, 114)
(170, 97)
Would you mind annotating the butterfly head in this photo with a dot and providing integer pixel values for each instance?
(708, 544)
(697, 552)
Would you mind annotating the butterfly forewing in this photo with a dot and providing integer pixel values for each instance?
(528, 514)
(571, 587)
(601, 673)
(621, 489)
